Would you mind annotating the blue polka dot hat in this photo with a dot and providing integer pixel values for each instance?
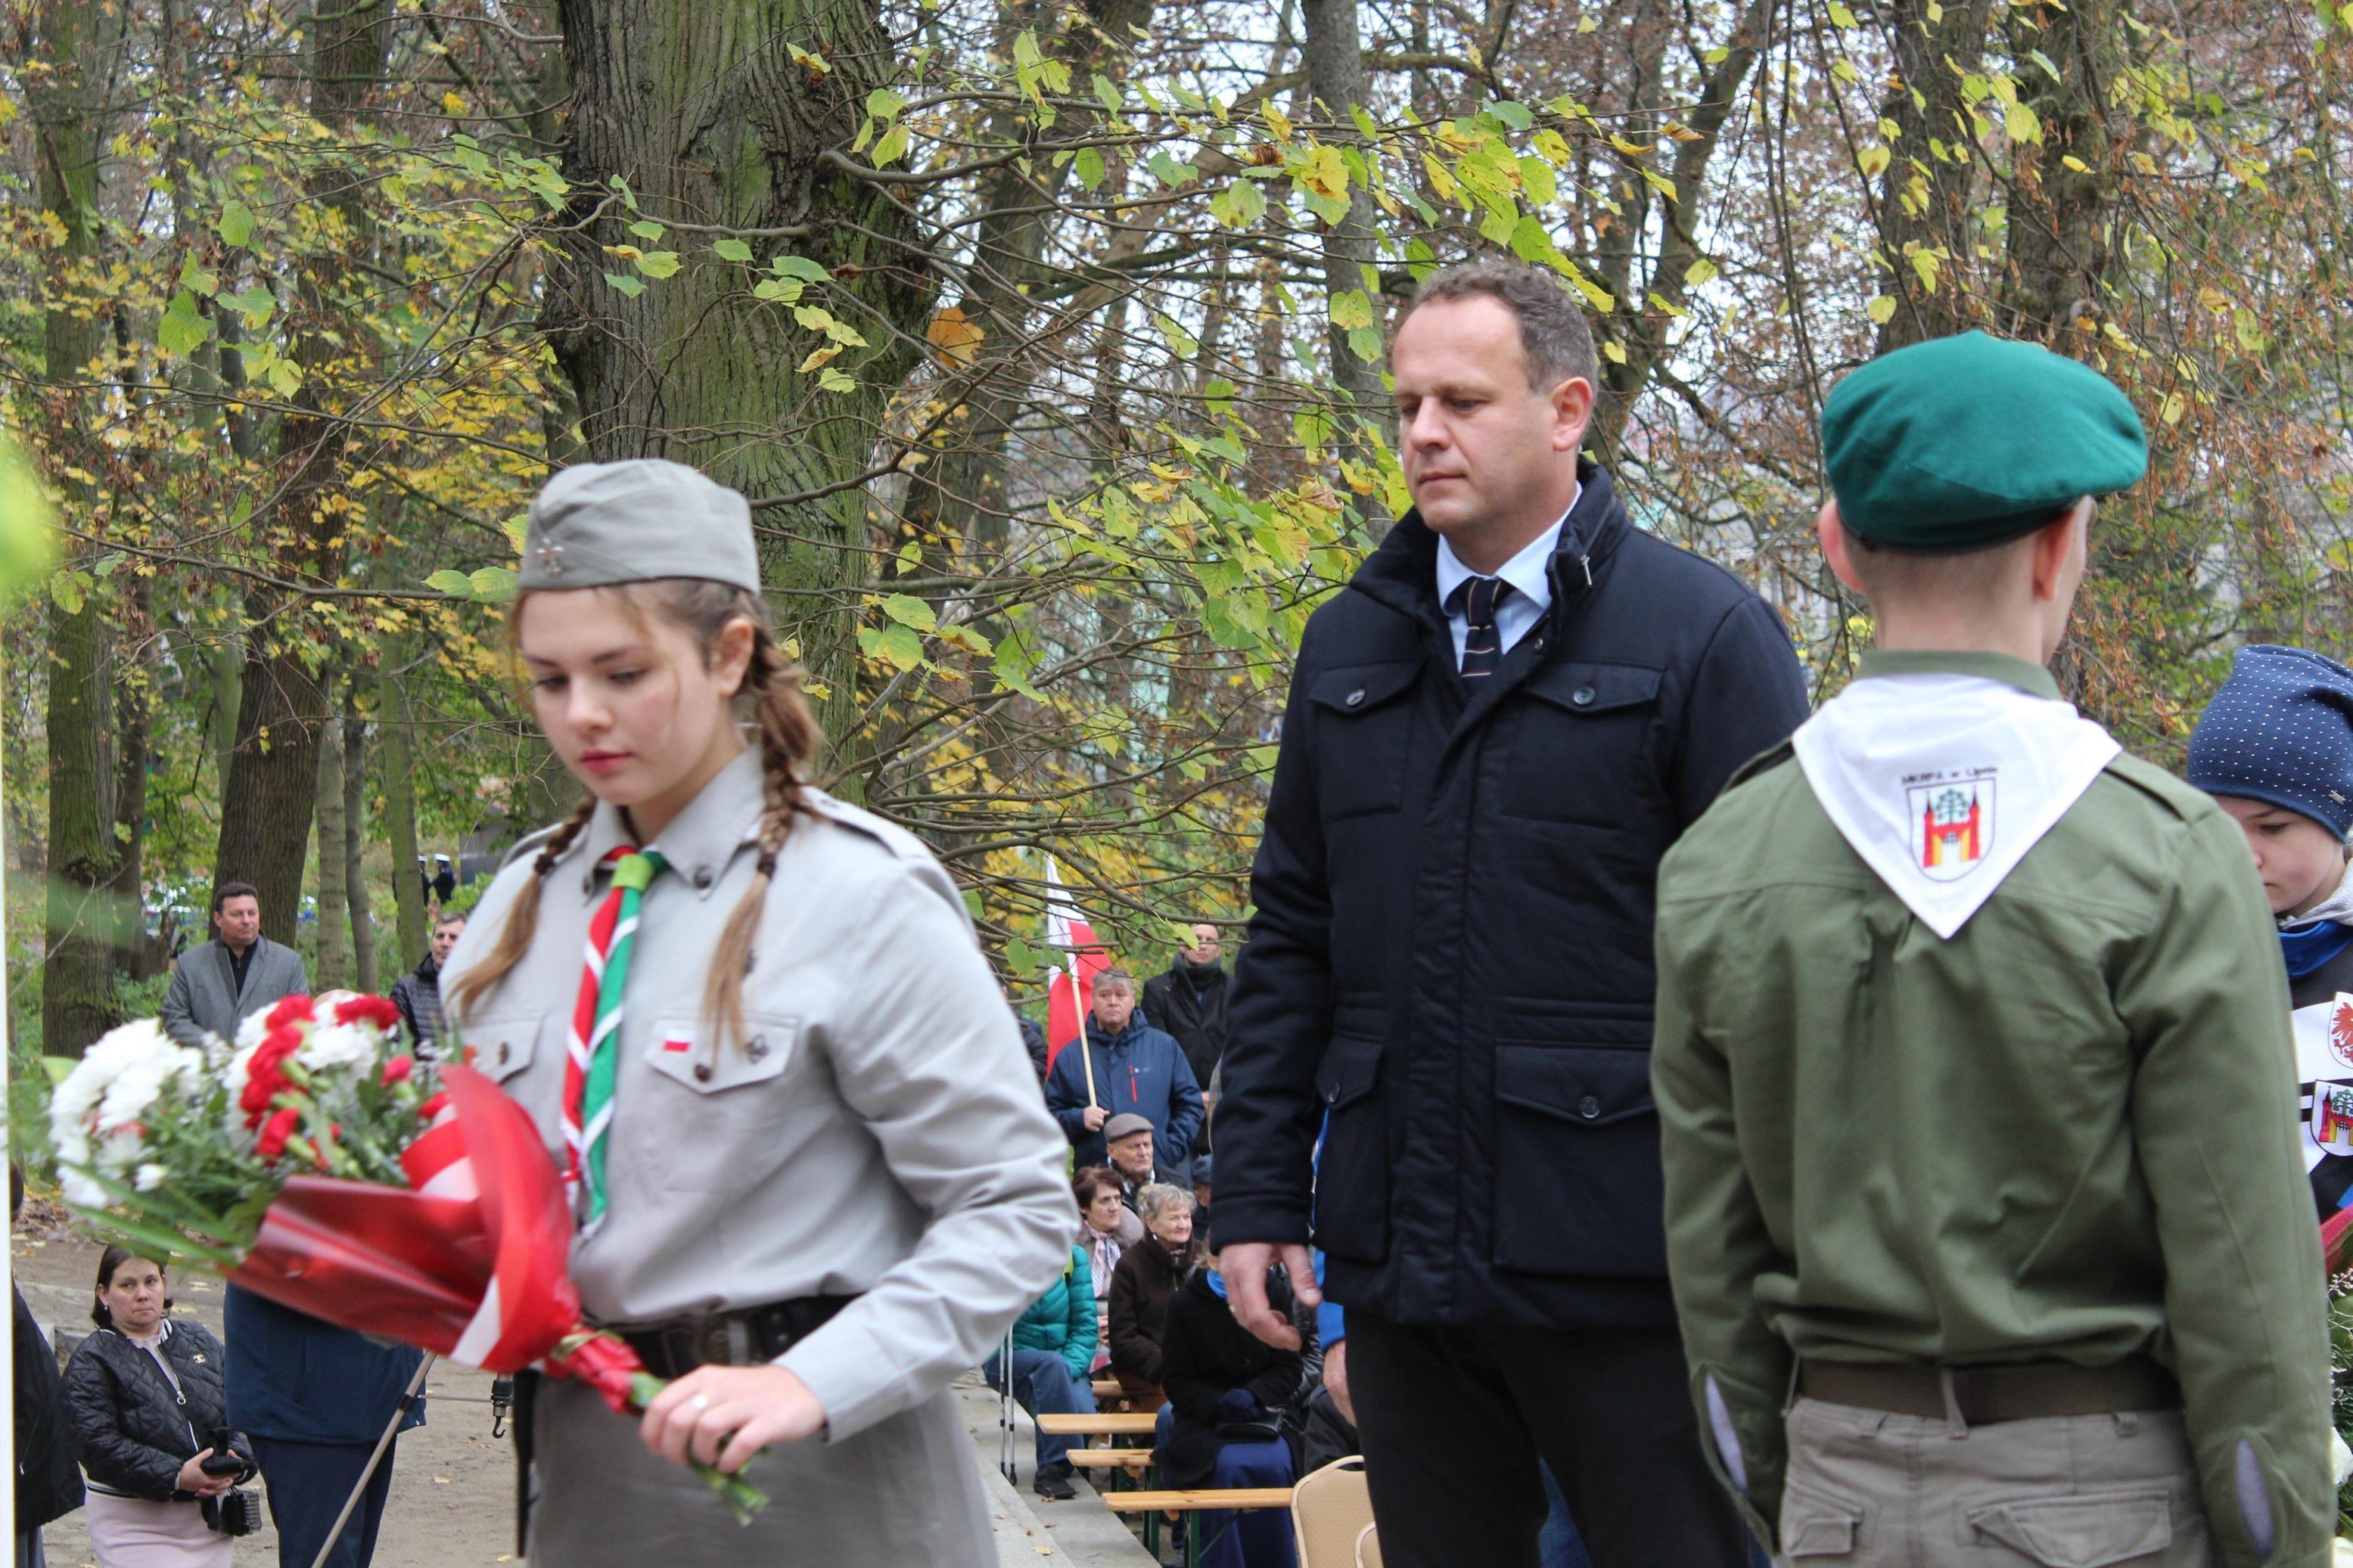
(2280, 731)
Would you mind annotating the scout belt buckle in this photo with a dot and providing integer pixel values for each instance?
(722, 1340)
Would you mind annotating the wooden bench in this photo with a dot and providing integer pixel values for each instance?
(1104, 1424)
(1106, 1388)
(1152, 1505)
(1123, 1468)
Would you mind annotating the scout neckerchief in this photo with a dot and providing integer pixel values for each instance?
(1942, 783)
(595, 1050)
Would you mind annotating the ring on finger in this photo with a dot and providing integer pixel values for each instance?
(698, 1404)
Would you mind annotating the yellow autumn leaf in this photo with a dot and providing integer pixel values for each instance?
(955, 336)
(1323, 173)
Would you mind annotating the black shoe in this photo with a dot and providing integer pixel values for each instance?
(1054, 1486)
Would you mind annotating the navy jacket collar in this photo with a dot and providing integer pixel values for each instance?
(1402, 575)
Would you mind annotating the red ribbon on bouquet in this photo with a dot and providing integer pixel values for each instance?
(470, 1263)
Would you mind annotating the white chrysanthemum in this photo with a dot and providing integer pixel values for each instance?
(249, 1032)
(150, 1176)
(80, 1190)
(333, 1046)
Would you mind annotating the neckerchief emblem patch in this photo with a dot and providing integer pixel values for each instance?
(1952, 821)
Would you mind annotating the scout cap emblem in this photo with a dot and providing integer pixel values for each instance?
(1953, 822)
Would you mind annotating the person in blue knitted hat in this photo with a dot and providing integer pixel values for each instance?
(2276, 749)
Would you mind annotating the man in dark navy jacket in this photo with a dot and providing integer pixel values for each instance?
(1493, 734)
(315, 1398)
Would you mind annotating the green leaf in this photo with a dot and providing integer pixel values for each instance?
(2022, 124)
(494, 584)
(1841, 16)
(884, 104)
(254, 304)
(1924, 262)
(1365, 343)
(647, 228)
(899, 646)
(183, 328)
(1352, 308)
(67, 588)
(657, 263)
(1020, 959)
(1531, 241)
(784, 290)
(1514, 115)
(802, 267)
(453, 582)
(236, 222)
(628, 286)
(892, 146)
(909, 611)
(732, 250)
(1882, 308)
(1182, 343)
(1089, 166)
(832, 379)
(1699, 272)
(815, 318)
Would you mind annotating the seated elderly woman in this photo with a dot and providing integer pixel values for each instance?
(1226, 1390)
(1107, 1227)
(1148, 1276)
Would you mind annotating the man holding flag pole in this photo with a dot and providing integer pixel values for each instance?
(1138, 1070)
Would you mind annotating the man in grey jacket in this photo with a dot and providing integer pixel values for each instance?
(215, 985)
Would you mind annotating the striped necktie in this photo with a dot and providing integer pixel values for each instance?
(1476, 599)
(594, 1055)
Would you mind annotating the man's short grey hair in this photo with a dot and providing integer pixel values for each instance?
(1115, 980)
(1153, 1196)
(1553, 333)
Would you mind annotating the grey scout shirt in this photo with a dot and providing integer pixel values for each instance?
(876, 1132)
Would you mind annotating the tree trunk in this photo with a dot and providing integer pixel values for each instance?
(1333, 53)
(711, 114)
(1928, 198)
(356, 888)
(397, 749)
(273, 773)
(2059, 212)
(134, 701)
(333, 970)
(77, 971)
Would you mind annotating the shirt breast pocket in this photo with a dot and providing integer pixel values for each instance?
(711, 1115)
(1584, 751)
(1363, 726)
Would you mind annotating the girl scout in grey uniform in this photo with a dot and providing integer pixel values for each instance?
(813, 1175)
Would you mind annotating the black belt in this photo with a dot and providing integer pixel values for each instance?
(744, 1337)
(2020, 1391)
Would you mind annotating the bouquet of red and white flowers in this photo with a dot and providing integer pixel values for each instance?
(318, 1164)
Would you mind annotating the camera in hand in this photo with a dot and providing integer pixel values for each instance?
(225, 1460)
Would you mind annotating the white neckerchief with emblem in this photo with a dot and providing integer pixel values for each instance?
(1942, 782)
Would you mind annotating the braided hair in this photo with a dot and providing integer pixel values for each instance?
(789, 741)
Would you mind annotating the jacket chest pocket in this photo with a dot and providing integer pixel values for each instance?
(1579, 1188)
(1352, 1172)
(1583, 750)
(1364, 728)
(708, 1123)
(504, 1050)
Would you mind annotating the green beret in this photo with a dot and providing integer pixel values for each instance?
(1962, 442)
(595, 524)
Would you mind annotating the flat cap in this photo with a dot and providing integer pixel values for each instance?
(595, 524)
(1962, 442)
(1122, 1125)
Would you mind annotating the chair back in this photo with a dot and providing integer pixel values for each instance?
(1331, 1517)
(1368, 1548)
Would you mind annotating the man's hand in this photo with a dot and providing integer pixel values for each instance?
(724, 1414)
(1244, 1265)
(1094, 1117)
(1336, 1381)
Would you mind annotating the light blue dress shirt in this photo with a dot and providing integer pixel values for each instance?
(1530, 588)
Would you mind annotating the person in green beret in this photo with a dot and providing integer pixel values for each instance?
(1988, 1235)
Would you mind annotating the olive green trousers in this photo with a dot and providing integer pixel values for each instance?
(1869, 1490)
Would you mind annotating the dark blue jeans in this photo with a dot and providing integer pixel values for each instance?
(1250, 1537)
(1044, 1383)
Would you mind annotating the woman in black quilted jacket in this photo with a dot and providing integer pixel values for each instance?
(144, 1396)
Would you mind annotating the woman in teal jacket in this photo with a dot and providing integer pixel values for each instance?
(1053, 1347)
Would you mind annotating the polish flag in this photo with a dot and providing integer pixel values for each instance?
(1070, 995)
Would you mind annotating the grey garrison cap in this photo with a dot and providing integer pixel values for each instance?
(595, 524)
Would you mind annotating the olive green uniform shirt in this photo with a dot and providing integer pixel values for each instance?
(2066, 1134)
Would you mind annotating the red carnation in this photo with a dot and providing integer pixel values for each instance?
(376, 1010)
(275, 1132)
(397, 1071)
(289, 1010)
(434, 1107)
